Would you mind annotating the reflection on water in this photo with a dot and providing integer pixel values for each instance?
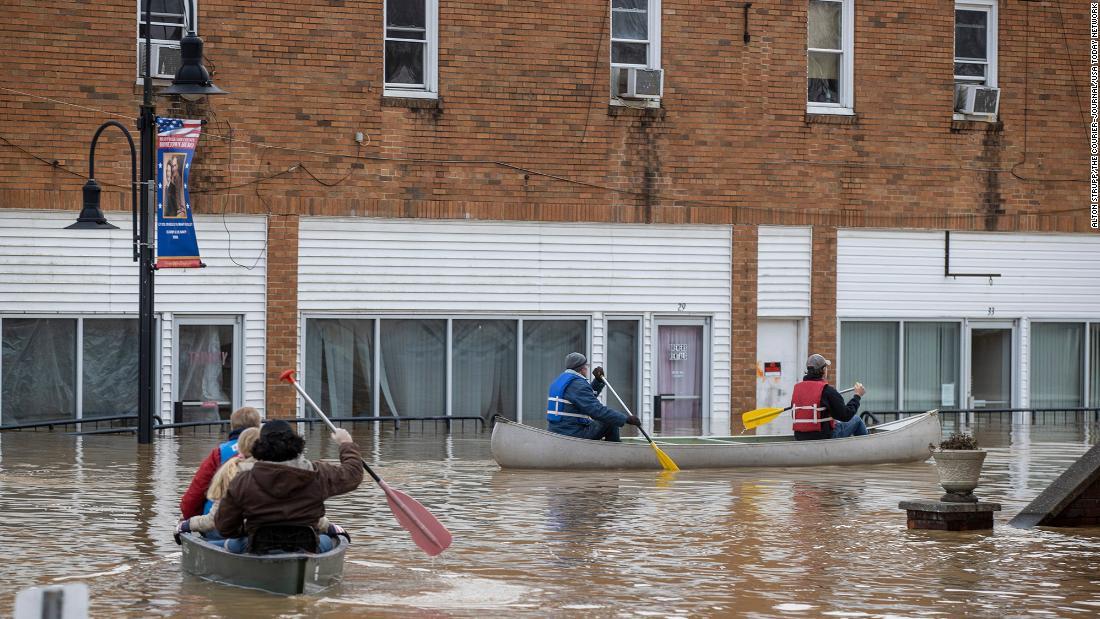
(761, 542)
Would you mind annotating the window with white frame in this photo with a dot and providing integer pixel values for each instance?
(829, 56)
(169, 21)
(635, 33)
(411, 43)
(67, 368)
(1058, 364)
(976, 42)
(438, 366)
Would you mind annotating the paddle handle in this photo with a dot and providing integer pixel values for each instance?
(625, 407)
(288, 376)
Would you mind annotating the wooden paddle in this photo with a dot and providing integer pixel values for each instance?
(762, 416)
(666, 462)
(426, 530)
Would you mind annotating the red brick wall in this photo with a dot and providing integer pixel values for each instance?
(743, 332)
(528, 87)
(282, 313)
(823, 335)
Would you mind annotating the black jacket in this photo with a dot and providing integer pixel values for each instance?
(834, 405)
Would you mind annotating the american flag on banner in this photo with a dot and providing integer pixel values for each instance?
(178, 133)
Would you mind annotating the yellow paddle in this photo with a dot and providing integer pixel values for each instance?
(666, 462)
(762, 416)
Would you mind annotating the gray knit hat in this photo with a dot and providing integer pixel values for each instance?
(575, 360)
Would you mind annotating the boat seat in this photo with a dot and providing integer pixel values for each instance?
(277, 538)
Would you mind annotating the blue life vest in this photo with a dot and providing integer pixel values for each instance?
(226, 450)
(556, 404)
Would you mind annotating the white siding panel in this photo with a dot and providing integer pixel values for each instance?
(888, 274)
(46, 269)
(360, 265)
(783, 271)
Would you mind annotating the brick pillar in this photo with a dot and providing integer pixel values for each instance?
(282, 313)
(823, 294)
(743, 327)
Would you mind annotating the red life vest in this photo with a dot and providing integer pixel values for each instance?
(806, 407)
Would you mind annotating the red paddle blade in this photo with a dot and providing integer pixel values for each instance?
(427, 532)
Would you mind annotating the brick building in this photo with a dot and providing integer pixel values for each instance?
(456, 192)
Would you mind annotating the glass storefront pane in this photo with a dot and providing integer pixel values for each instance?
(110, 367)
(413, 374)
(1057, 372)
(339, 366)
(623, 343)
(869, 354)
(206, 370)
(39, 369)
(931, 365)
(545, 345)
(483, 370)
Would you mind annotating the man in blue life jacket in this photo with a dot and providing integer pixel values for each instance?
(573, 410)
(194, 501)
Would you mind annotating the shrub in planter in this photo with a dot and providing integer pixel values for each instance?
(959, 465)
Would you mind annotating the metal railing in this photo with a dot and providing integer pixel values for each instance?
(219, 424)
(1039, 416)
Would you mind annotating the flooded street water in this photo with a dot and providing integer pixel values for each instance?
(754, 543)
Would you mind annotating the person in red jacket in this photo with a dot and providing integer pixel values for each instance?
(194, 501)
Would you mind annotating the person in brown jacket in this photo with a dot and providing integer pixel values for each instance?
(283, 487)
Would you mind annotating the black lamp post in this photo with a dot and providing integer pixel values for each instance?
(192, 81)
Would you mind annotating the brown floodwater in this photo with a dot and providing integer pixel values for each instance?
(754, 543)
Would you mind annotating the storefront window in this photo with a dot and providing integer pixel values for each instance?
(412, 378)
(110, 367)
(545, 345)
(869, 354)
(1094, 365)
(205, 364)
(39, 370)
(931, 365)
(623, 342)
(484, 370)
(1057, 372)
(339, 362)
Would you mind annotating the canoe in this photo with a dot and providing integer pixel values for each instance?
(288, 573)
(518, 446)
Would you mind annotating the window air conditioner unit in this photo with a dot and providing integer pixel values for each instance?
(634, 83)
(166, 59)
(977, 99)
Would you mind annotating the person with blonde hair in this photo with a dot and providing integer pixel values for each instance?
(204, 523)
(194, 502)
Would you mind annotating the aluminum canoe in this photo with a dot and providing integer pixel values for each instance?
(289, 573)
(516, 446)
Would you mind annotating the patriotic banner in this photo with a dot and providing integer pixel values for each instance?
(177, 245)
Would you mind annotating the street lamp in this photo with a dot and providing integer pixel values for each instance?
(192, 81)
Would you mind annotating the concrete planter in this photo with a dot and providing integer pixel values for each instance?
(959, 471)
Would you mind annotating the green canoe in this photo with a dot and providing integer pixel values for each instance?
(288, 573)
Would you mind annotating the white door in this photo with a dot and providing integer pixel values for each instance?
(779, 365)
(682, 367)
(990, 353)
(207, 366)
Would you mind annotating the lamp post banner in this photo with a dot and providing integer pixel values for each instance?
(177, 245)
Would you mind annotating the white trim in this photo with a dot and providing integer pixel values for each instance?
(846, 106)
(991, 45)
(653, 50)
(430, 88)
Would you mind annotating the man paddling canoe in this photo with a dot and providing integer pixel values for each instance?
(573, 410)
(818, 409)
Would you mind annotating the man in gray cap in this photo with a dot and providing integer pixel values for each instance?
(817, 408)
(572, 408)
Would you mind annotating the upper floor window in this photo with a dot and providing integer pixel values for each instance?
(169, 21)
(411, 41)
(634, 33)
(829, 57)
(976, 42)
